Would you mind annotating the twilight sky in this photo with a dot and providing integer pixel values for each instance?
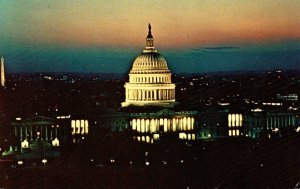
(193, 35)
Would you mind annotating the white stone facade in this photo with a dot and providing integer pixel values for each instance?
(149, 79)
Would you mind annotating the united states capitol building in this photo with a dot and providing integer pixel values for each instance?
(151, 112)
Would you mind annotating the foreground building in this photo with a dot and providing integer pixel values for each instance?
(150, 86)
(149, 79)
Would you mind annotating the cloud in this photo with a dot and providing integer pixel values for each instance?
(220, 48)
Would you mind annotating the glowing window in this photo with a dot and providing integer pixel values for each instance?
(86, 128)
(229, 120)
(193, 136)
(165, 125)
(77, 126)
(73, 126)
(147, 139)
(192, 127)
(82, 126)
(155, 136)
(174, 124)
(182, 136)
(133, 124)
(152, 126)
(143, 126)
(241, 120)
(233, 119)
(237, 120)
(138, 125)
(147, 125)
(184, 123)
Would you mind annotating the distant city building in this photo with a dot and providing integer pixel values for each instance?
(266, 123)
(2, 72)
(289, 97)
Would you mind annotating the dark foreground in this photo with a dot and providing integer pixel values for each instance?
(238, 163)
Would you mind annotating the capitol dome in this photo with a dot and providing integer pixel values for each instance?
(149, 79)
(146, 62)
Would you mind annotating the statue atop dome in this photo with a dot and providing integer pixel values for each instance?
(149, 31)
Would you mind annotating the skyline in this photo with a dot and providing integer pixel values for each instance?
(106, 36)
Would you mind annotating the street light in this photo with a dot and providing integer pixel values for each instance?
(44, 161)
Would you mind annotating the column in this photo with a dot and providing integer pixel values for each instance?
(56, 136)
(51, 133)
(193, 122)
(169, 125)
(16, 131)
(26, 130)
(155, 94)
(31, 136)
(136, 95)
(138, 125)
(165, 125)
(180, 124)
(21, 135)
(159, 95)
(41, 135)
(142, 125)
(174, 124)
(46, 132)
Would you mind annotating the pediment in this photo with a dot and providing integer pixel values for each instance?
(165, 113)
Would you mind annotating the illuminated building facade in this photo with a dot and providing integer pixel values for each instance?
(267, 123)
(235, 124)
(2, 72)
(149, 79)
(150, 85)
(39, 128)
(151, 126)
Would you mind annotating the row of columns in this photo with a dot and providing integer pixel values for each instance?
(145, 94)
(280, 121)
(150, 79)
(37, 132)
(233, 132)
(168, 124)
(80, 127)
(235, 120)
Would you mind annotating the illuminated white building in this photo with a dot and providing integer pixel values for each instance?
(2, 72)
(150, 86)
(149, 79)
